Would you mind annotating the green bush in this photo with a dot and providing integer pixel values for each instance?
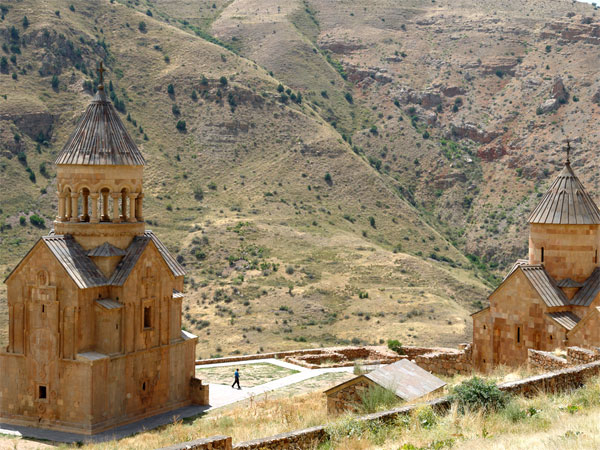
(22, 221)
(37, 221)
(181, 125)
(142, 26)
(396, 346)
(328, 179)
(478, 394)
(223, 81)
(171, 89)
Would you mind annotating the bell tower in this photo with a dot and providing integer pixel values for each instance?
(99, 179)
(565, 229)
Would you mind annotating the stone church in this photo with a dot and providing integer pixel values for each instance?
(551, 299)
(95, 336)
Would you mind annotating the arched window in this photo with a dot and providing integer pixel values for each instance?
(542, 254)
(85, 211)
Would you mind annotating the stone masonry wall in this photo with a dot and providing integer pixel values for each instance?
(447, 361)
(545, 360)
(211, 443)
(199, 392)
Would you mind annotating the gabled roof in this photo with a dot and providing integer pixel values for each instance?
(175, 267)
(566, 202)
(516, 265)
(72, 257)
(591, 287)
(544, 285)
(126, 265)
(566, 319)
(100, 138)
(177, 294)
(407, 380)
(106, 249)
(135, 250)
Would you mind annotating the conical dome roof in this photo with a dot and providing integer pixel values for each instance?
(100, 138)
(566, 202)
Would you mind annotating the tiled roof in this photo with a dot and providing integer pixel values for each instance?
(73, 258)
(106, 249)
(566, 202)
(516, 265)
(544, 285)
(126, 265)
(177, 294)
(566, 319)
(100, 138)
(108, 303)
(589, 291)
(175, 267)
(135, 250)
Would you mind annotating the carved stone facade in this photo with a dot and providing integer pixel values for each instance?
(549, 300)
(95, 337)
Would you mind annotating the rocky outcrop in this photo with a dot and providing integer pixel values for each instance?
(453, 91)
(428, 98)
(35, 124)
(491, 153)
(358, 74)
(567, 32)
(558, 95)
(503, 64)
(448, 180)
(471, 131)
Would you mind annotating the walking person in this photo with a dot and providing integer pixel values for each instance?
(236, 380)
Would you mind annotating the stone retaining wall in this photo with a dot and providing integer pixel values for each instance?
(212, 443)
(578, 355)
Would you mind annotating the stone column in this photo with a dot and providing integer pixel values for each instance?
(124, 206)
(116, 218)
(105, 216)
(132, 202)
(67, 207)
(139, 215)
(74, 207)
(61, 207)
(94, 219)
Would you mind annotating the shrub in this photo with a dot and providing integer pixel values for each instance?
(55, 82)
(212, 186)
(289, 270)
(324, 94)
(175, 110)
(149, 13)
(396, 346)
(363, 294)
(372, 221)
(171, 89)
(198, 193)
(181, 125)
(25, 22)
(348, 97)
(3, 64)
(426, 417)
(223, 81)
(328, 179)
(37, 221)
(478, 394)
(280, 88)
(377, 397)
(22, 221)
(72, 8)
(194, 95)
(22, 157)
(426, 135)
(142, 26)
(44, 170)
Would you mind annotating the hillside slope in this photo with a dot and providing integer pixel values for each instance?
(290, 237)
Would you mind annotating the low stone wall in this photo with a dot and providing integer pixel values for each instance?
(578, 355)
(447, 361)
(307, 438)
(212, 443)
(545, 360)
(199, 392)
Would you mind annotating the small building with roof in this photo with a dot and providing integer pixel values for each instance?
(95, 338)
(549, 300)
(404, 378)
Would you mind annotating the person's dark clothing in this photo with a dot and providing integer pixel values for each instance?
(236, 379)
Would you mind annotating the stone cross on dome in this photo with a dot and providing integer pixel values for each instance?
(101, 71)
